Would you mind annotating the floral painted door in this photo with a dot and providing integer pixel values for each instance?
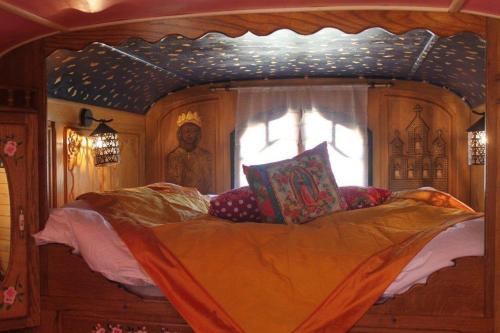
(18, 215)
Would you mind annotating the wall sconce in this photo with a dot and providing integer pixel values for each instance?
(477, 141)
(105, 147)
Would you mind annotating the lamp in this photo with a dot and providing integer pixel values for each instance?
(477, 141)
(105, 147)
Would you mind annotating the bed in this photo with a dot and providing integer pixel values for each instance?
(120, 309)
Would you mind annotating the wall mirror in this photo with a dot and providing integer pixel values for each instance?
(5, 222)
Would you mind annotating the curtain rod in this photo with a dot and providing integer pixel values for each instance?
(236, 85)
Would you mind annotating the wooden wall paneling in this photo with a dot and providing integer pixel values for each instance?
(216, 110)
(206, 107)
(226, 123)
(51, 190)
(83, 176)
(393, 109)
(493, 171)
(377, 123)
(477, 174)
(444, 24)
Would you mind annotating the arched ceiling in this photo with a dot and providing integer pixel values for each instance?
(24, 20)
(135, 74)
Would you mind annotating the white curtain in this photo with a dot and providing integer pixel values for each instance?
(275, 123)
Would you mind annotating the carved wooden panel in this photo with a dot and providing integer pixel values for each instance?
(420, 158)
(419, 138)
(216, 110)
(206, 108)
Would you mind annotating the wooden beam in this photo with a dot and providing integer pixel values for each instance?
(31, 17)
(492, 173)
(456, 6)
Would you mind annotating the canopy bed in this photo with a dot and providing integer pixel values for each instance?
(458, 299)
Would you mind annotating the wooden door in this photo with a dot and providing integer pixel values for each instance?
(19, 292)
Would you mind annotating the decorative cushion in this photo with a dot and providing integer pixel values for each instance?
(433, 197)
(362, 197)
(236, 205)
(296, 190)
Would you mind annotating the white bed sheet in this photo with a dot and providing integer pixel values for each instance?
(91, 236)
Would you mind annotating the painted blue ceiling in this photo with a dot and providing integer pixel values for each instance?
(133, 76)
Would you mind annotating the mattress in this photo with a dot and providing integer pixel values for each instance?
(91, 236)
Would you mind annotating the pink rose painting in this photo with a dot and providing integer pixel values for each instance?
(99, 329)
(10, 148)
(116, 330)
(9, 295)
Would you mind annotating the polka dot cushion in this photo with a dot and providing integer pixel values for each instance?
(237, 205)
(362, 197)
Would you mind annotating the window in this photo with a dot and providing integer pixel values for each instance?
(293, 132)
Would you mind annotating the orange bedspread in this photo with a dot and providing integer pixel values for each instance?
(250, 277)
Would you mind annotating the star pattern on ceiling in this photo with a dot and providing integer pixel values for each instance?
(131, 77)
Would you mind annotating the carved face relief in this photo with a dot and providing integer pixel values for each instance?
(189, 135)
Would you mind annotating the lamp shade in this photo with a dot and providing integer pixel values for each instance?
(106, 147)
(477, 142)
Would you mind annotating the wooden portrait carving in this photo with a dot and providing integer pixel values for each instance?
(189, 164)
(425, 163)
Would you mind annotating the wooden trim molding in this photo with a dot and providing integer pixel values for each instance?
(456, 6)
(492, 173)
(443, 24)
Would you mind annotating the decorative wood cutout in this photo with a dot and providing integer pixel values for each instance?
(422, 164)
(17, 99)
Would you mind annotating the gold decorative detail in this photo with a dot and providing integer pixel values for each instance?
(73, 142)
(189, 117)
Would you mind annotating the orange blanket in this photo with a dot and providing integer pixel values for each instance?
(250, 277)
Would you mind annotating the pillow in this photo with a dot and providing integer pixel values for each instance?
(362, 197)
(91, 236)
(236, 205)
(433, 197)
(296, 190)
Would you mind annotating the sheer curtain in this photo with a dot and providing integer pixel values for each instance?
(275, 123)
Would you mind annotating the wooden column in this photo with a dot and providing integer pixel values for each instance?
(493, 170)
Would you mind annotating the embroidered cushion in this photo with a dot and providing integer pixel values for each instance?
(236, 205)
(296, 190)
(362, 197)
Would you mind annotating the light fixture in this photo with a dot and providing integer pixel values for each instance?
(477, 141)
(105, 146)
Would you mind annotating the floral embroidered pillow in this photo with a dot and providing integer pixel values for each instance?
(362, 197)
(296, 190)
(237, 205)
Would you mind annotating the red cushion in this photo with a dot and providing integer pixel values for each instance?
(236, 205)
(363, 197)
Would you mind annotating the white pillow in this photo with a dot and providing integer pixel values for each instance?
(90, 235)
